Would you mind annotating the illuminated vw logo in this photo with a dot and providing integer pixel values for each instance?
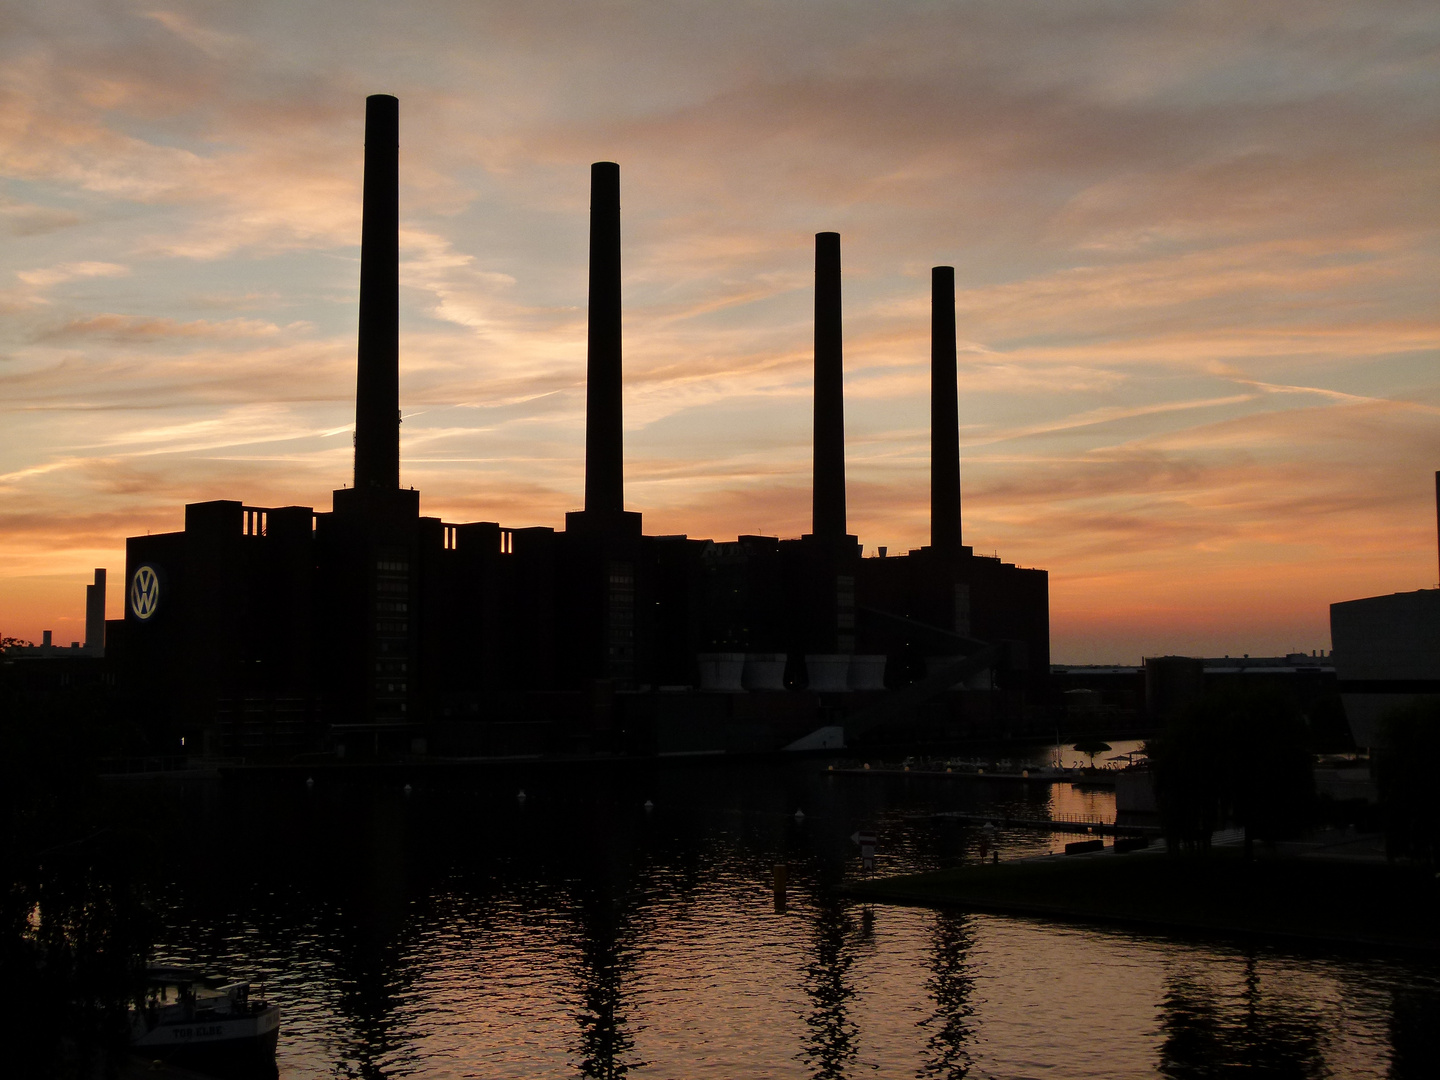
(144, 592)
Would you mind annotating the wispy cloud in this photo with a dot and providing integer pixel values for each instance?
(138, 328)
(56, 275)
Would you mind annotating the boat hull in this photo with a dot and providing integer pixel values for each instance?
(243, 1040)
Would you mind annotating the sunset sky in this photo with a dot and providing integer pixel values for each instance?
(1197, 252)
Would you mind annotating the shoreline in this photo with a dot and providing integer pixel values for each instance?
(1281, 899)
(317, 763)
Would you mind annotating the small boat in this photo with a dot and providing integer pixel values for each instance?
(189, 1017)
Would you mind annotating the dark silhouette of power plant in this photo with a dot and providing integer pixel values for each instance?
(268, 631)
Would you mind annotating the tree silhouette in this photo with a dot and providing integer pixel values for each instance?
(1091, 746)
(1238, 755)
(1405, 765)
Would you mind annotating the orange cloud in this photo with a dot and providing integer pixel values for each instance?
(136, 328)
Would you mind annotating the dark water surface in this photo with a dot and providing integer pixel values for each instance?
(460, 932)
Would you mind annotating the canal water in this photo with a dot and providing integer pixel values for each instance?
(462, 931)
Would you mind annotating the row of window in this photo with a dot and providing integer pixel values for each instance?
(450, 539)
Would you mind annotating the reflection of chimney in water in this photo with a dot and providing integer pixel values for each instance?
(828, 490)
(377, 387)
(944, 416)
(604, 462)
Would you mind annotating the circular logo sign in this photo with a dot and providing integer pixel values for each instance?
(144, 592)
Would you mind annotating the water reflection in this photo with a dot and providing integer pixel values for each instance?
(1414, 1020)
(606, 965)
(1212, 1028)
(459, 933)
(371, 914)
(831, 1041)
(951, 983)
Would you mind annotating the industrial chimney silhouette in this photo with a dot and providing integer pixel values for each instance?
(377, 388)
(604, 466)
(828, 484)
(944, 417)
(95, 614)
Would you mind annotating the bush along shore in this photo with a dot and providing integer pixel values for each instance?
(1374, 904)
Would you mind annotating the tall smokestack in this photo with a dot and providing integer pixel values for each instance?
(944, 416)
(377, 389)
(828, 485)
(604, 470)
(95, 615)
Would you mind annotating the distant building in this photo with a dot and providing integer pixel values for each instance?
(1387, 654)
(1113, 694)
(94, 643)
(1147, 694)
(47, 668)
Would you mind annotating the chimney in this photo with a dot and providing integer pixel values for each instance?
(95, 615)
(604, 471)
(377, 389)
(944, 417)
(828, 485)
